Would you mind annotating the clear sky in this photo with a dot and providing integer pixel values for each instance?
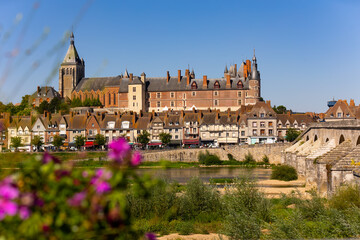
(308, 51)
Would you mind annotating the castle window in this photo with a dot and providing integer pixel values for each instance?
(172, 95)
(194, 85)
(172, 104)
(134, 97)
(134, 89)
(158, 104)
(109, 98)
(216, 102)
(114, 98)
(70, 70)
(216, 93)
(217, 85)
(240, 84)
(239, 102)
(158, 95)
(67, 71)
(193, 94)
(239, 94)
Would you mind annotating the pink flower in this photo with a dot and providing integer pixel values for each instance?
(85, 174)
(118, 149)
(103, 174)
(7, 207)
(48, 158)
(150, 236)
(8, 191)
(136, 159)
(24, 212)
(77, 199)
(102, 187)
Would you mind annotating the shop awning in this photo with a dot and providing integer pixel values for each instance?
(154, 144)
(189, 141)
(89, 144)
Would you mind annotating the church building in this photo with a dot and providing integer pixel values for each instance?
(238, 87)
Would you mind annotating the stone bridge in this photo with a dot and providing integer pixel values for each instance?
(327, 154)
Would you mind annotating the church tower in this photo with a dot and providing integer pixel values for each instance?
(254, 83)
(71, 71)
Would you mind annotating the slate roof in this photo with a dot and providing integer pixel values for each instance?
(142, 123)
(78, 122)
(98, 83)
(171, 121)
(46, 92)
(299, 118)
(21, 122)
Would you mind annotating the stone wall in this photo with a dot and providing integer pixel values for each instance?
(273, 151)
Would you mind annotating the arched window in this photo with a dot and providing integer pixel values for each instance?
(315, 138)
(342, 139)
(217, 85)
(194, 85)
(109, 99)
(240, 84)
(70, 70)
(327, 139)
(358, 141)
(307, 138)
(103, 100)
(114, 98)
(80, 97)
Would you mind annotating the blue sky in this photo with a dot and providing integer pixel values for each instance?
(308, 51)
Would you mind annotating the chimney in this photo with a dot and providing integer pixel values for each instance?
(45, 89)
(131, 78)
(179, 76)
(268, 102)
(143, 77)
(38, 89)
(345, 101)
(248, 64)
(205, 81)
(235, 69)
(352, 103)
(187, 77)
(245, 71)
(288, 112)
(228, 84)
(167, 76)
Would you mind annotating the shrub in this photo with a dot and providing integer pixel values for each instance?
(198, 198)
(249, 159)
(284, 173)
(209, 159)
(346, 197)
(184, 228)
(265, 159)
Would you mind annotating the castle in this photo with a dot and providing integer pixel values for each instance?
(238, 87)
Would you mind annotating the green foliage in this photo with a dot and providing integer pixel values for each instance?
(37, 142)
(44, 106)
(280, 109)
(291, 134)
(23, 109)
(199, 199)
(231, 157)
(209, 159)
(76, 102)
(284, 173)
(16, 142)
(165, 138)
(249, 159)
(100, 139)
(346, 197)
(79, 141)
(265, 159)
(88, 102)
(144, 138)
(246, 209)
(58, 141)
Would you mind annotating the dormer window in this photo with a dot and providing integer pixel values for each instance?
(331, 115)
(262, 115)
(177, 123)
(347, 115)
(339, 115)
(217, 85)
(240, 85)
(170, 123)
(194, 85)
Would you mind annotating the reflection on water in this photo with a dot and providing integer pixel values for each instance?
(183, 175)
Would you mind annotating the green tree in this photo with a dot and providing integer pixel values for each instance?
(165, 138)
(100, 140)
(54, 105)
(44, 106)
(280, 109)
(37, 142)
(144, 138)
(76, 102)
(16, 143)
(292, 134)
(87, 102)
(58, 141)
(79, 141)
(96, 102)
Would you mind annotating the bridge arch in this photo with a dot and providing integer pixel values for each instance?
(315, 138)
(327, 139)
(307, 138)
(358, 141)
(342, 139)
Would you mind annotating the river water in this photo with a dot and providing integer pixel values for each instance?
(182, 175)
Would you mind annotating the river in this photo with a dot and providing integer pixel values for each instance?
(182, 175)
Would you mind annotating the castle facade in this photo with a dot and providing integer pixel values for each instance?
(238, 87)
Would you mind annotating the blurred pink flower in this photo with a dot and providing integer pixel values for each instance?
(8, 191)
(102, 187)
(103, 174)
(48, 158)
(24, 212)
(136, 159)
(77, 199)
(7, 207)
(85, 174)
(150, 236)
(118, 149)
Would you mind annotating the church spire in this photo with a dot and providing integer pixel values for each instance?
(72, 38)
(72, 55)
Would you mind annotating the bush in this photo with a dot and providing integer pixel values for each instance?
(249, 159)
(209, 159)
(265, 159)
(284, 173)
(198, 198)
(346, 197)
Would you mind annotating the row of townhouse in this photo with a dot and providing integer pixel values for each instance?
(250, 125)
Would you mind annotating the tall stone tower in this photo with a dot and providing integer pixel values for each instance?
(254, 83)
(71, 71)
